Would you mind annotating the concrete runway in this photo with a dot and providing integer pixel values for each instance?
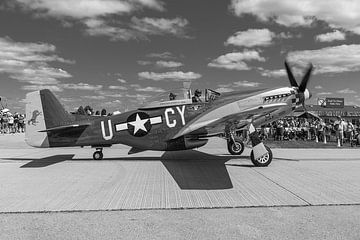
(68, 180)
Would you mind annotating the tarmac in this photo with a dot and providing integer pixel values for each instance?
(37, 183)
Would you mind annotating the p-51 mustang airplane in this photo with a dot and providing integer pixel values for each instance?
(167, 125)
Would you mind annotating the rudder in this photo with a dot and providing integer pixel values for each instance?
(43, 111)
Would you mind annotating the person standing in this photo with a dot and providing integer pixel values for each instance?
(350, 132)
(21, 123)
(11, 123)
(1, 123)
(5, 123)
(339, 126)
(321, 130)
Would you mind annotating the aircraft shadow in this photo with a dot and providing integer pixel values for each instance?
(191, 169)
(47, 161)
(197, 170)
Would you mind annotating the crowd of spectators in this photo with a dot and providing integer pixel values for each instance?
(292, 128)
(90, 112)
(11, 123)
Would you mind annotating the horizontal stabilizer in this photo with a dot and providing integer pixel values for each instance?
(66, 127)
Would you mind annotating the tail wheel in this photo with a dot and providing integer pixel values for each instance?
(98, 155)
(263, 161)
(235, 147)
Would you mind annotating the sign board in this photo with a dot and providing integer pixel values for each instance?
(334, 102)
(321, 102)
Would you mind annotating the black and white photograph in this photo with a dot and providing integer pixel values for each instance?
(179, 119)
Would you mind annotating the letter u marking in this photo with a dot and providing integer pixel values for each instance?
(103, 130)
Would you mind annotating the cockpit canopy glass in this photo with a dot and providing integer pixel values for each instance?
(181, 96)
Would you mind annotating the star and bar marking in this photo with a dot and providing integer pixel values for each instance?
(138, 124)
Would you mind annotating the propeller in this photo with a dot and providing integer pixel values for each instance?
(303, 92)
(292, 80)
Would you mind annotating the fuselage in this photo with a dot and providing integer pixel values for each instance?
(158, 128)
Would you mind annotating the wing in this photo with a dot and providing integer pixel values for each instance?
(216, 119)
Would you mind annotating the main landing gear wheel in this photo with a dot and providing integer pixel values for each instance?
(235, 147)
(98, 155)
(263, 161)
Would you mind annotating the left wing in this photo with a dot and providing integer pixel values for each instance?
(218, 117)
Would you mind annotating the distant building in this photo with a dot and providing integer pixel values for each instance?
(330, 108)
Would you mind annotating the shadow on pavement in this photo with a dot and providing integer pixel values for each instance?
(190, 169)
(198, 170)
(47, 161)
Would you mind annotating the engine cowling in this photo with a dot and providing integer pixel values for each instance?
(183, 143)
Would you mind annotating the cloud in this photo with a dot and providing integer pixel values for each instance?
(30, 62)
(61, 87)
(337, 59)
(176, 75)
(81, 86)
(138, 28)
(251, 38)
(331, 36)
(121, 80)
(151, 89)
(152, 4)
(94, 97)
(139, 96)
(53, 88)
(318, 87)
(118, 88)
(168, 64)
(338, 14)
(246, 84)
(236, 60)
(240, 84)
(346, 91)
(235, 85)
(288, 35)
(273, 73)
(87, 8)
(144, 63)
(163, 55)
(99, 27)
(97, 16)
(324, 93)
(160, 26)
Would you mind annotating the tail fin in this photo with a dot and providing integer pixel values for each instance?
(43, 111)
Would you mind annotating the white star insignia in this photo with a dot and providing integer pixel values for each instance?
(139, 124)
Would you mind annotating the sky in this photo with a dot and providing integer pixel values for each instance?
(118, 54)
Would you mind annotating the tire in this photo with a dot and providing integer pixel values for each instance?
(98, 155)
(263, 161)
(236, 148)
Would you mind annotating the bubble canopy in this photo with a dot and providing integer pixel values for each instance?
(178, 96)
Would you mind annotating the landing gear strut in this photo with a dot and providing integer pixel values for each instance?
(235, 145)
(264, 160)
(261, 155)
(98, 155)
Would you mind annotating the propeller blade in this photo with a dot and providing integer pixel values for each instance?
(305, 79)
(292, 80)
